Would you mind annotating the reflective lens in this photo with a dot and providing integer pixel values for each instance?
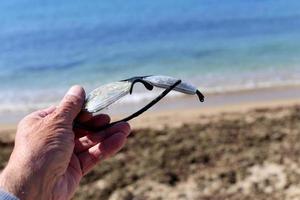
(105, 95)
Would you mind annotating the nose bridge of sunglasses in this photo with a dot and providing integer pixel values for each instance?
(140, 80)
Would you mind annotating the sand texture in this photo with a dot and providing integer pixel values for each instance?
(252, 154)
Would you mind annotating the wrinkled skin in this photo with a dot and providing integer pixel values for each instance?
(50, 158)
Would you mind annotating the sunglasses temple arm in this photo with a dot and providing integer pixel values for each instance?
(200, 96)
(152, 103)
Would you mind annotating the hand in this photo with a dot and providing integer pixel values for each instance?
(50, 158)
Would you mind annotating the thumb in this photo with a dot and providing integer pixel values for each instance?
(72, 103)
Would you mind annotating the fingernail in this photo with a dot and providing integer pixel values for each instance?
(98, 153)
(75, 90)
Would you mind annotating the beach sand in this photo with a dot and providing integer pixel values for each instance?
(240, 145)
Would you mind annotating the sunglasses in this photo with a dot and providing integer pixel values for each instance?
(105, 95)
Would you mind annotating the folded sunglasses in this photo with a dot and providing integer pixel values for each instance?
(105, 95)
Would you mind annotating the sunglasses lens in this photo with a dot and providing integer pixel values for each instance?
(166, 81)
(105, 95)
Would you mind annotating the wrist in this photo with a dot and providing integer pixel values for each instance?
(19, 181)
(4, 195)
(24, 183)
(12, 183)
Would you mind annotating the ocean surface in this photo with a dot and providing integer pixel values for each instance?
(47, 46)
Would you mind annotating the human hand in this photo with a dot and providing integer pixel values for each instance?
(50, 158)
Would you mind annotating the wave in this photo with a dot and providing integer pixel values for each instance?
(250, 86)
(28, 102)
(53, 67)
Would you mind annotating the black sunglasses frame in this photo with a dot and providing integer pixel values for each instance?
(140, 79)
(135, 80)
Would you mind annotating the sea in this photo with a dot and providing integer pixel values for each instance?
(219, 46)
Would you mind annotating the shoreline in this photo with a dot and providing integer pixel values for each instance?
(187, 109)
(193, 116)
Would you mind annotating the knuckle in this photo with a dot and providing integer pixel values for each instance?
(70, 102)
(58, 120)
(73, 100)
(57, 117)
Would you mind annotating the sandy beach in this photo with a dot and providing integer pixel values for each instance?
(239, 145)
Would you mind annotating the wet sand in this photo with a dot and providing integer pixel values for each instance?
(244, 148)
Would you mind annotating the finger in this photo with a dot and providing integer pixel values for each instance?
(101, 151)
(80, 132)
(94, 123)
(84, 116)
(97, 121)
(90, 140)
(72, 103)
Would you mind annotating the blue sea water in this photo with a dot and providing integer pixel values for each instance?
(46, 46)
